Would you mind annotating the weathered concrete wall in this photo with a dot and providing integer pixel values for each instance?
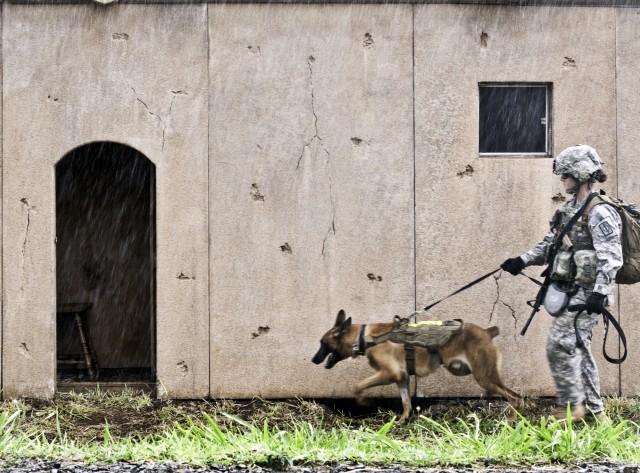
(311, 187)
(469, 222)
(628, 123)
(308, 158)
(74, 74)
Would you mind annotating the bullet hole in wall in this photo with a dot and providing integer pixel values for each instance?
(368, 40)
(484, 39)
(255, 192)
(261, 330)
(285, 248)
(468, 171)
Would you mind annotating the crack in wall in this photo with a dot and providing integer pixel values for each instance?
(316, 136)
(306, 150)
(499, 301)
(332, 229)
(26, 205)
(161, 123)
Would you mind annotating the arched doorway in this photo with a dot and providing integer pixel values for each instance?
(105, 265)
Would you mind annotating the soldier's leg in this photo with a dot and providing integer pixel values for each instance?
(565, 359)
(588, 367)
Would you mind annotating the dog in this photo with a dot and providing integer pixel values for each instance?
(469, 351)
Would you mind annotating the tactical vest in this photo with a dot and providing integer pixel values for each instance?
(579, 234)
(575, 260)
(431, 334)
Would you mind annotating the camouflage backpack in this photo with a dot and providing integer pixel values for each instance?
(630, 237)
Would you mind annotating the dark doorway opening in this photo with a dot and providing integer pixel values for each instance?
(105, 258)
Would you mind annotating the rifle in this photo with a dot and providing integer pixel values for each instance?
(553, 249)
(539, 297)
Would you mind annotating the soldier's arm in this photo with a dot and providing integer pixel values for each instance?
(606, 227)
(538, 254)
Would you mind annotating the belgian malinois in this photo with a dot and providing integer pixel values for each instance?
(470, 351)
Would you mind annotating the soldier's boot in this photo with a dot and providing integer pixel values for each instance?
(577, 413)
(595, 416)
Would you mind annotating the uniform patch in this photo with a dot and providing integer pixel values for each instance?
(605, 228)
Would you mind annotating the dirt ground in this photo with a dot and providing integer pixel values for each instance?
(84, 416)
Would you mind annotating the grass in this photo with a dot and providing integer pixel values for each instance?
(100, 427)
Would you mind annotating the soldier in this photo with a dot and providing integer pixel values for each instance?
(584, 268)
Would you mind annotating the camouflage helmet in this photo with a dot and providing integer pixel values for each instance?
(580, 161)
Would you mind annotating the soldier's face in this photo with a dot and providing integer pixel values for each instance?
(568, 180)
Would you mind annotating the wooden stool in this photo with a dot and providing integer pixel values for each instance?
(79, 312)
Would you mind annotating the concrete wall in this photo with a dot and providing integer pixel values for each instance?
(74, 74)
(309, 158)
(628, 144)
(311, 187)
(469, 222)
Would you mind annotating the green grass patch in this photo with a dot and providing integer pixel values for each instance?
(283, 434)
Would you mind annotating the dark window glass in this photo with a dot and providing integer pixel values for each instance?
(513, 119)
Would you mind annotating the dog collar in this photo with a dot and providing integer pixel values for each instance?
(360, 347)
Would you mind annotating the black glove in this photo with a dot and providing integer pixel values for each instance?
(595, 303)
(513, 265)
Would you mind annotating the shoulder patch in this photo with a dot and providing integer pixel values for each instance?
(605, 228)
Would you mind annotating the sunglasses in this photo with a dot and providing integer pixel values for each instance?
(565, 176)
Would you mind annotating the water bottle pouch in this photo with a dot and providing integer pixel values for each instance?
(556, 299)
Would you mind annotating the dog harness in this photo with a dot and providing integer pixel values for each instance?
(429, 334)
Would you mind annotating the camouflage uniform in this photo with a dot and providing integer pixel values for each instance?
(573, 369)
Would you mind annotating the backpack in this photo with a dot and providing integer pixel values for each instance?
(629, 273)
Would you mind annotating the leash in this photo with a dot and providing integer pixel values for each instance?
(463, 288)
(608, 318)
(467, 286)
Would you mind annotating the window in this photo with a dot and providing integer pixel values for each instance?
(514, 119)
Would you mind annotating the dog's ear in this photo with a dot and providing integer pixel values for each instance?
(340, 318)
(345, 326)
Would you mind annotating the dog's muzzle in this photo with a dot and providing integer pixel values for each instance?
(323, 352)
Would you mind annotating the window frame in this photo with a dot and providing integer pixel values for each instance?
(548, 86)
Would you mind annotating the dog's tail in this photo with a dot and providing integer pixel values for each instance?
(493, 331)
